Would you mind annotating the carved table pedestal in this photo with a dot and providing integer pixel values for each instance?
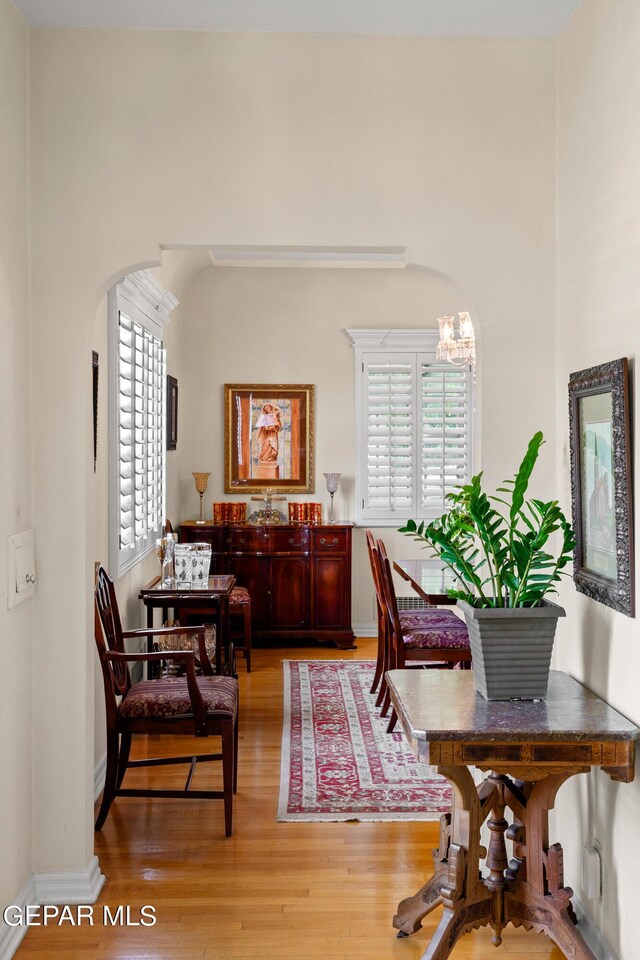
(530, 748)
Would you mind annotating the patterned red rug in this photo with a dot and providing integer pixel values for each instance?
(338, 761)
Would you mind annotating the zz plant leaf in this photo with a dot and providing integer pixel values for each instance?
(498, 547)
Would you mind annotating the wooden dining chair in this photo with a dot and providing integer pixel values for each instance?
(239, 612)
(200, 706)
(432, 638)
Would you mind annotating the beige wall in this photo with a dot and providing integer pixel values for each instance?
(15, 429)
(140, 139)
(598, 320)
(243, 325)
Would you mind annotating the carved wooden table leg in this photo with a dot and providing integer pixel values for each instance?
(413, 909)
(542, 902)
(456, 883)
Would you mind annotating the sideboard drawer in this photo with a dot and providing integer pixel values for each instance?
(290, 540)
(330, 540)
(204, 534)
(245, 539)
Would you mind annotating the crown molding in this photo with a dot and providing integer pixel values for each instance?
(393, 339)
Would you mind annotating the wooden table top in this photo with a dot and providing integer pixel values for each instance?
(440, 705)
(216, 586)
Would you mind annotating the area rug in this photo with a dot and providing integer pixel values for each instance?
(338, 761)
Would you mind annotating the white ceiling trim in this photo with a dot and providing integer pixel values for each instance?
(328, 257)
(466, 18)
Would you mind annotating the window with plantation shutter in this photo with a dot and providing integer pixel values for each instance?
(138, 420)
(445, 436)
(414, 426)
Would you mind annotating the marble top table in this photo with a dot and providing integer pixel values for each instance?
(530, 748)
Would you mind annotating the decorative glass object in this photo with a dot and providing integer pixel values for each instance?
(193, 561)
(333, 481)
(457, 350)
(201, 480)
(165, 547)
(269, 514)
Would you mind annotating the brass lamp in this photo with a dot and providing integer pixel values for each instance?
(202, 481)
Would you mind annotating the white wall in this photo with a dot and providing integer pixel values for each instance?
(244, 325)
(15, 479)
(598, 320)
(141, 139)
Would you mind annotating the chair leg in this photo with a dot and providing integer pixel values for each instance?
(380, 658)
(227, 775)
(123, 760)
(246, 613)
(110, 780)
(393, 719)
(236, 727)
(386, 702)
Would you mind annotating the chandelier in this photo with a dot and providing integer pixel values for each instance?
(457, 350)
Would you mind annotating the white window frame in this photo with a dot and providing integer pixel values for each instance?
(145, 302)
(416, 347)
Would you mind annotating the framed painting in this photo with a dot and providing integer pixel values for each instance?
(601, 490)
(268, 437)
(172, 413)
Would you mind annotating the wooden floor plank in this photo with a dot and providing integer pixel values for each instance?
(296, 891)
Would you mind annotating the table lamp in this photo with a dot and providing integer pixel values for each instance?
(202, 480)
(333, 479)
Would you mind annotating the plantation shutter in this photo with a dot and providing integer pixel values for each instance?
(416, 434)
(390, 430)
(445, 455)
(141, 430)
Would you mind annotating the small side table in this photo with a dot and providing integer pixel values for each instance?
(215, 599)
(530, 748)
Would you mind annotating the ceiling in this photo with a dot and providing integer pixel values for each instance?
(482, 18)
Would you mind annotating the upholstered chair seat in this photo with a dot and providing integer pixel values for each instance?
(239, 596)
(429, 629)
(169, 697)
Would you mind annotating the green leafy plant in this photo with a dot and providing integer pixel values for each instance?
(497, 547)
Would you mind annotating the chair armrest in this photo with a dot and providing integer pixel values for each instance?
(198, 632)
(188, 657)
(163, 631)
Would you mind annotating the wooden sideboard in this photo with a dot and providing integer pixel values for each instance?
(298, 575)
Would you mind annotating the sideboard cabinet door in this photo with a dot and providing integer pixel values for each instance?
(288, 587)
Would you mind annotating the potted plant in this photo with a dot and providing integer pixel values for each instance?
(498, 549)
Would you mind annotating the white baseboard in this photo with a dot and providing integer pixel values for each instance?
(11, 937)
(98, 777)
(592, 933)
(365, 629)
(51, 888)
(62, 888)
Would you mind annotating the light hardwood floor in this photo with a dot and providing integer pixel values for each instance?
(290, 890)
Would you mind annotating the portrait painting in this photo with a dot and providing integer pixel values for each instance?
(268, 438)
(601, 484)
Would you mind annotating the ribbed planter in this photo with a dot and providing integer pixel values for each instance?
(511, 649)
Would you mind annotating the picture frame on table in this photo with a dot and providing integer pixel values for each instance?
(172, 413)
(268, 437)
(601, 490)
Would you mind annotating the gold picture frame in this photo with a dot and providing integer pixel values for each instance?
(268, 437)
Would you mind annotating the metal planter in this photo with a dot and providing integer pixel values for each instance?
(511, 649)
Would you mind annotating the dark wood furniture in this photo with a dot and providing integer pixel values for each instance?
(298, 575)
(429, 582)
(194, 706)
(530, 748)
(428, 638)
(239, 612)
(210, 603)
